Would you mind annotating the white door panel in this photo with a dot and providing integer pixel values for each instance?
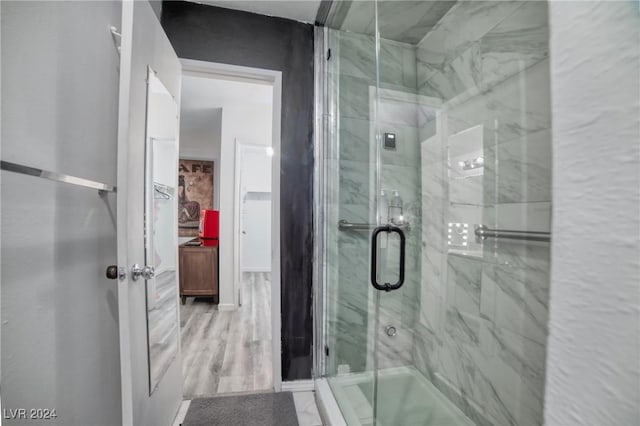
(59, 113)
(144, 45)
(256, 232)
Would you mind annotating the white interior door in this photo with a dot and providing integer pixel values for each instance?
(60, 349)
(255, 205)
(144, 47)
(256, 232)
(252, 212)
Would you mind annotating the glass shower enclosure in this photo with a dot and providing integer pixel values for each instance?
(434, 198)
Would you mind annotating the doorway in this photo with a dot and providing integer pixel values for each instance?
(231, 116)
(253, 217)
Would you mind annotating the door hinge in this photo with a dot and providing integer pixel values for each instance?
(117, 38)
(328, 54)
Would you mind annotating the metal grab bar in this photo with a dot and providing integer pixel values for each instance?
(343, 225)
(57, 177)
(482, 233)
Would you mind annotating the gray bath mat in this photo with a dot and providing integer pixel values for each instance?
(263, 409)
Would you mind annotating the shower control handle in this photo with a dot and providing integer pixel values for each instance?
(374, 258)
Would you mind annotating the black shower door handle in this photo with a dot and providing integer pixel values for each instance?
(374, 257)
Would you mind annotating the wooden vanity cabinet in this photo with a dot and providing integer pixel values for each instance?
(198, 272)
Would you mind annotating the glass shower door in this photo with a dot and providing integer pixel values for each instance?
(368, 190)
(351, 215)
(438, 125)
(403, 393)
(463, 164)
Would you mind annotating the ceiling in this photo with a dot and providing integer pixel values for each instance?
(200, 93)
(202, 101)
(401, 20)
(298, 10)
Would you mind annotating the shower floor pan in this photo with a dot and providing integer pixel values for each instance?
(405, 398)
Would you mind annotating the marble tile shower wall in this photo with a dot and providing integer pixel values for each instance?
(482, 329)
(351, 322)
(397, 113)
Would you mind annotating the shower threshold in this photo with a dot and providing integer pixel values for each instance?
(405, 397)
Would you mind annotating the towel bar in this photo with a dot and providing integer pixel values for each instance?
(57, 177)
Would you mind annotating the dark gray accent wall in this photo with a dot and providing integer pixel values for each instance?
(156, 5)
(228, 36)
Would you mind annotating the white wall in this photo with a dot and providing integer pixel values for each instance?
(60, 343)
(593, 363)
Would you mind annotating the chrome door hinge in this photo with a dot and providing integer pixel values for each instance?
(117, 38)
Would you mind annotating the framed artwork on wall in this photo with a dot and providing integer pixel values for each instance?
(195, 192)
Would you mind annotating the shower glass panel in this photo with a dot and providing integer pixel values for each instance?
(438, 123)
(351, 213)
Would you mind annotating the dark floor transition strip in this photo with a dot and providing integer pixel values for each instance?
(262, 409)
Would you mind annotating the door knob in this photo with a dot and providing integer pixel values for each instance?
(113, 272)
(146, 272)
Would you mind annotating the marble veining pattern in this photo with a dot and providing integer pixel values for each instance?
(483, 317)
(446, 41)
(406, 21)
(352, 299)
(520, 169)
(472, 320)
(517, 42)
(306, 409)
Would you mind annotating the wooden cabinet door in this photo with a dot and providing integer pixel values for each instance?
(197, 271)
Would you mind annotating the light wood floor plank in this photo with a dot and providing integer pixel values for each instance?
(227, 351)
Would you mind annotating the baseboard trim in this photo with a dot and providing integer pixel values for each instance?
(257, 269)
(226, 307)
(298, 386)
(182, 413)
